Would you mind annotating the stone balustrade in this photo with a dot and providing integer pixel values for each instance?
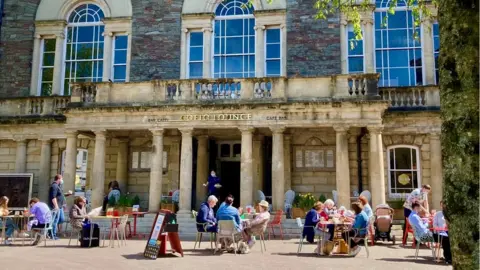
(33, 105)
(411, 97)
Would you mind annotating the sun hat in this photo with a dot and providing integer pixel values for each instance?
(263, 203)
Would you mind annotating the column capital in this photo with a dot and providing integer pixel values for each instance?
(60, 36)
(435, 135)
(157, 131)
(184, 30)
(207, 29)
(259, 27)
(278, 129)
(375, 129)
(246, 129)
(71, 133)
(100, 133)
(109, 34)
(45, 140)
(38, 37)
(367, 21)
(20, 139)
(341, 128)
(186, 131)
(343, 22)
(202, 137)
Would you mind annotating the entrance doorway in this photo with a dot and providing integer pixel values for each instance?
(230, 180)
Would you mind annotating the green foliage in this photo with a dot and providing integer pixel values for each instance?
(322, 198)
(125, 201)
(296, 201)
(136, 200)
(112, 202)
(306, 201)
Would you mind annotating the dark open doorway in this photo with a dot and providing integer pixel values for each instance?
(230, 180)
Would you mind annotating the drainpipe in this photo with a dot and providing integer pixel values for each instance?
(363, 132)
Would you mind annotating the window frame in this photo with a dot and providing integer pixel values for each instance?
(418, 169)
(127, 60)
(270, 27)
(187, 72)
(40, 63)
(348, 27)
(421, 45)
(435, 70)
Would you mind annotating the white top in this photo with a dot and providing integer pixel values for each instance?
(439, 220)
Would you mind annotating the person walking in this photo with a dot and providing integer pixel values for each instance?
(56, 201)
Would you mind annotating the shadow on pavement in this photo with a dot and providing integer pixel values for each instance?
(312, 255)
(140, 257)
(424, 260)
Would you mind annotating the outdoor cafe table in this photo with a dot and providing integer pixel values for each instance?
(135, 214)
(114, 223)
(345, 227)
(20, 220)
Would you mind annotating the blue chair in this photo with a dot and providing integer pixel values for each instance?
(53, 217)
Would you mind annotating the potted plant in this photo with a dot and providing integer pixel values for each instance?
(167, 204)
(112, 203)
(297, 212)
(397, 204)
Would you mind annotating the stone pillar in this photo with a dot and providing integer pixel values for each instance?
(343, 45)
(436, 170)
(207, 54)
(375, 166)
(107, 56)
(342, 167)
(44, 173)
(156, 171)
(428, 54)
(186, 164)
(98, 179)
(368, 44)
(259, 51)
(58, 66)
(70, 170)
(246, 167)
(183, 54)
(288, 162)
(122, 163)
(202, 169)
(258, 164)
(278, 169)
(21, 156)
(174, 163)
(37, 55)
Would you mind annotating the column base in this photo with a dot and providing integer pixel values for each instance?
(184, 214)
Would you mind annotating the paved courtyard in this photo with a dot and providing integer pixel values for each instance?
(280, 255)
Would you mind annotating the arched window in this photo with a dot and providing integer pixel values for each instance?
(234, 40)
(403, 169)
(398, 55)
(84, 50)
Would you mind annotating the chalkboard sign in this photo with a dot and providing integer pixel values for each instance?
(18, 188)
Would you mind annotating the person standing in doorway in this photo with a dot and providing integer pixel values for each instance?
(213, 184)
(56, 200)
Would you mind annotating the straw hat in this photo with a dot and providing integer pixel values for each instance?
(264, 204)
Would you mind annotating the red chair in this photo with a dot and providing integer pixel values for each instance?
(408, 229)
(276, 222)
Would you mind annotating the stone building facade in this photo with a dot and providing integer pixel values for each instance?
(165, 98)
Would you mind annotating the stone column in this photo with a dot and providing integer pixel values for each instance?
(202, 169)
(288, 162)
(258, 164)
(278, 169)
(174, 163)
(183, 54)
(44, 173)
(375, 166)
(122, 163)
(246, 167)
(186, 164)
(436, 170)
(343, 45)
(98, 179)
(58, 66)
(428, 55)
(283, 40)
(342, 166)
(21, 156)
(107, 56)
(369, 46)
(70, 170)
(156, 171)
(37, 55)
(259, 51)
(207, 53)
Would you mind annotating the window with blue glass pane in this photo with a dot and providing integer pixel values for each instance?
(436, 48)
(234, 40)
(398, 56)
(120, 50)
(355, 52)
(272, 53)
(84, 48)
(195, 55)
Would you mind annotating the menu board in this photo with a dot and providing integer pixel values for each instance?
(153, 244)
(18, 188)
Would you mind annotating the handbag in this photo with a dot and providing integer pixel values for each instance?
(87, 234)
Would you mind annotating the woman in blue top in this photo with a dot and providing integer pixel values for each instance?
(359, 227)
(366, 207)
(311, 220)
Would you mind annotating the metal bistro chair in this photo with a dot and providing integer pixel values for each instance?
(226, 230)
(289, 198)
(358, 236)
(74, 231)
(301, 226)
(199, 236)
(120, 232)
(52, 216)
(276, 222)
(431, 244)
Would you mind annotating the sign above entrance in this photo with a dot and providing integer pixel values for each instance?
(216, 117)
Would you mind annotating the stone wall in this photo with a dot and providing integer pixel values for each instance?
(313, 46)
(156, 28)
(16, 47)
(7, 156)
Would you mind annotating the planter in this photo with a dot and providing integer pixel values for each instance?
(398, 214)
(298, 213)
(168, 206)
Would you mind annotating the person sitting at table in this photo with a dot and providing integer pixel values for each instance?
(258, 225)
(438, 224)
(42, 217)
(78, 213)
(359, 227)
(329, 207)
(206, 221)
(311, 220)
(228, 212)
(10, 226)
(418, 225)
(366, 206)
